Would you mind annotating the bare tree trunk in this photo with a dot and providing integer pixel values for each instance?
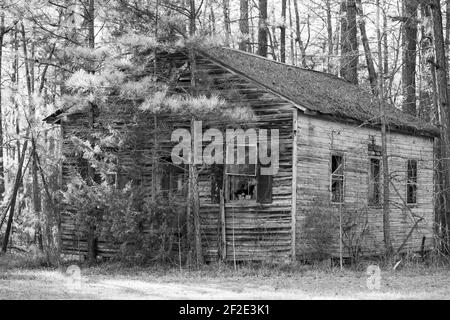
(32, 60)
(244, 45)
(349, 42)
(91, 23)
(262, 28)
(192, 17)
(386, 48)
(337, 43)
(409, 56)
(2, 174)
(213, 20)
(298, 39)
(205, 12)
(56, 214)
(193, 205)
(91, 238)
(226, 16)
(252, 27)
(428, 55)
(447, 27)
(15, 88)
(36, 191)
(273, 40)
(367, 51)
(283, 32)
(12, 204)
(386, 178)
(329, 36)
(442, 171)
(292, 43)
(442, 82)
(37, 198)
(26, 63)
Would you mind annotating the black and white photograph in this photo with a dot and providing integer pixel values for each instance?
(242, 151)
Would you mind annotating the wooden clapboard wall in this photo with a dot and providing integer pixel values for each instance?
(260, 231)
(273, 232)
(318, 139)
(252, 232)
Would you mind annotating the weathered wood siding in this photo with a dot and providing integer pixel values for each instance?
(259, 231)
(264, 231)
(253, 232)
(135, 163)
(318, 139)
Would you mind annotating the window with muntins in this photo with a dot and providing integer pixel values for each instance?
(242, 175)
(244, 179)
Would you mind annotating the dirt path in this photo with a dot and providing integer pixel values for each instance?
(53, 284)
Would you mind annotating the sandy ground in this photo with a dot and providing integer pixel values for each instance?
(44, 284)
(97, 283)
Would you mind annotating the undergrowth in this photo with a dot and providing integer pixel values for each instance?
(408, 262)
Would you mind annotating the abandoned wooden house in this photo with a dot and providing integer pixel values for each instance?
(330, 166)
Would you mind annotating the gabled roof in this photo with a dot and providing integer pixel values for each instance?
(312, 91)
(315, 91)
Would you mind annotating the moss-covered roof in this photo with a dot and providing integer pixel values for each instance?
(313, 91)
(316, 91)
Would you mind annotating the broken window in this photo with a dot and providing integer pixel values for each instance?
(242, 187)
(249, 186)
(411, 182)
(375, 182)
(244, 181)
(337, 179)
(242, 177)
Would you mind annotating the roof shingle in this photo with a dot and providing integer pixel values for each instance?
(317, 91)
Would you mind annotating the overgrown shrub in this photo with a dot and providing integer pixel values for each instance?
(355, 232)
(141, 229)
(319, 229)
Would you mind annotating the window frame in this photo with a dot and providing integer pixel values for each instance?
(414, 183)
(173, 172)
(370, 183)
(331, 176)
(230, 176)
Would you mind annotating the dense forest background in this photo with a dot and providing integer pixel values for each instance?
(59, 53)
